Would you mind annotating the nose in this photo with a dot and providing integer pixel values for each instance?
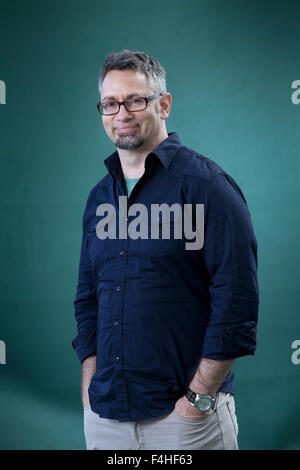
(123, 113)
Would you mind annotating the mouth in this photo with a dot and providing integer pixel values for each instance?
(125, 129)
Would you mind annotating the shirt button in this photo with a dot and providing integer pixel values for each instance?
(122, 252)
(116, 323)
(117, 358)
(118, 288)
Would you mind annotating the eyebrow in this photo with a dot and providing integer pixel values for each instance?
(115, 99)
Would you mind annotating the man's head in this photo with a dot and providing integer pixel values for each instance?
(127, 76)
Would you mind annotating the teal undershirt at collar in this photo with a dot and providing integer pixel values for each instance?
(130, 183)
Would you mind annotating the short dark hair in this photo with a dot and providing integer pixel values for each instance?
(139, 61)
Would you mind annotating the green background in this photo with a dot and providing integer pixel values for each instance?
(230, 65)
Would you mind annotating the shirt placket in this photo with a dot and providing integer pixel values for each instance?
(117, 308)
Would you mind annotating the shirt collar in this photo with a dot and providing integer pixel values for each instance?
(165, 151)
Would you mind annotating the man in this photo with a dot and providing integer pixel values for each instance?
(160, 324)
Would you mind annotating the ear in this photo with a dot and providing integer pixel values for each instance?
(165, 105)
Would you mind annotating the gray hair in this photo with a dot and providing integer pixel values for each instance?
(138, 61)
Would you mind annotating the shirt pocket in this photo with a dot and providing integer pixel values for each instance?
(166, 243)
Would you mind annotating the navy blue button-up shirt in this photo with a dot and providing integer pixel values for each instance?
(150, 309)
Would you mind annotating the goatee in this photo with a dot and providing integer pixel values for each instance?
(129, 142)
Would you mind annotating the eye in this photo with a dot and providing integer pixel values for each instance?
(108, 105)
(136, 100)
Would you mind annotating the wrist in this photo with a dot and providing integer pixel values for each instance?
(85, 402)
(204, 403)
(199, 386)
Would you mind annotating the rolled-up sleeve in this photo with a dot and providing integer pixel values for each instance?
(230, 255)
(86, 303)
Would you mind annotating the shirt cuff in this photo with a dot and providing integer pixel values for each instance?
(85, 344)
(229, 342)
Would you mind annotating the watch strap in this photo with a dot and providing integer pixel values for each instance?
(190, 395)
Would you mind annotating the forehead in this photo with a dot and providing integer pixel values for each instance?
(118, 84)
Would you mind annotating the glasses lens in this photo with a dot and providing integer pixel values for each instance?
(109, 107)
(136, 104)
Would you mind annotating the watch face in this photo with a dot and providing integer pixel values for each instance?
(203, 404)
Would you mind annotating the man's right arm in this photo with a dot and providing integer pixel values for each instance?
(86, 314)
(87, 371)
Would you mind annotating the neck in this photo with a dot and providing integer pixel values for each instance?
(133, 161)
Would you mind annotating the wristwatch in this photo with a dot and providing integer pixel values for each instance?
(203, 403)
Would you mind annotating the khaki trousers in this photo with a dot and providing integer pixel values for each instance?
(216, 431)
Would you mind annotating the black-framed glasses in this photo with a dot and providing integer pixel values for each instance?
(132, 105)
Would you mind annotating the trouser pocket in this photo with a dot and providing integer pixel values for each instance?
(227, 421)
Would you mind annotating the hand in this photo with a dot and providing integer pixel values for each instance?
(184, 408)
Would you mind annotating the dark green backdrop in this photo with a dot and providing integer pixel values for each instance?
(230, 66)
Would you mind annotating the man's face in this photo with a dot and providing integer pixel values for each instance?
(131, 130)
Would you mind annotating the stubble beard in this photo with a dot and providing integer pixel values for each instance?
(129, 142)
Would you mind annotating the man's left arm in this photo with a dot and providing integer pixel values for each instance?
(230, 256)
